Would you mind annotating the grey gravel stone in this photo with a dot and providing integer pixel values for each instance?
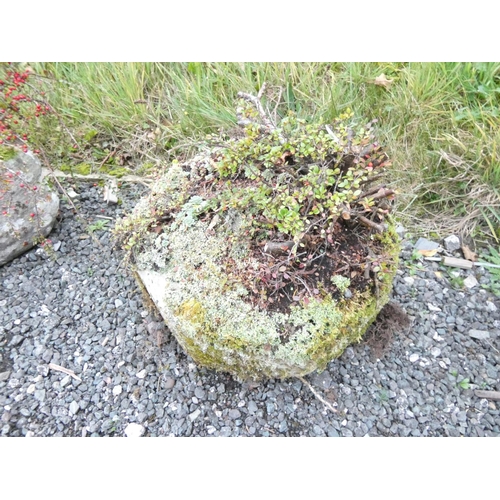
(479, 334)
(234, 414)
(40, 395)
(452, 243)
(169, 383)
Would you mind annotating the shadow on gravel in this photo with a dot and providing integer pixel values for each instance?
(391, 320)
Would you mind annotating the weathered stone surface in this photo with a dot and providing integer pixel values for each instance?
(29, 206)
(452, 243)
(184, 271)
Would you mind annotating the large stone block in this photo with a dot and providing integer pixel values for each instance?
(192, 270)
(29, 206)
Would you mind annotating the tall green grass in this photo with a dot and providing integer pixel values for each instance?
(439, 121)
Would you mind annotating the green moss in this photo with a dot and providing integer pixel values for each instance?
(7, 153)
(117, 172)
(79, 169)
(191, 310)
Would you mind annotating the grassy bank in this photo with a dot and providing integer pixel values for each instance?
(439, 121)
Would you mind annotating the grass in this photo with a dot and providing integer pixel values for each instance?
(440, 122)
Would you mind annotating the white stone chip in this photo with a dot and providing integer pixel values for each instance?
(193, 416)
(72, 193)
(134, 430)
(436, 351)
(490, 306)
(432, 307)
(44, 311)
(414, 357)
(117, 389)
(74, 407)
(479, 334)
(470, 282)
(141, 374)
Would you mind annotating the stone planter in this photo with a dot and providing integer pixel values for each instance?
(189, 271)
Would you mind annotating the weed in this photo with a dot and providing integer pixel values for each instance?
(493, 257)
(464, 383)
(99, 225)
(383, 395)
(456, 281)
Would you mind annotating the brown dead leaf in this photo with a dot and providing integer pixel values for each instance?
(428, 253)
(382, 81)
(469, 254)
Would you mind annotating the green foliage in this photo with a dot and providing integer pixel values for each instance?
(7, 153)
(492, 256)
(100, 225)
(430, 108)
(299, 175)
(463, 383)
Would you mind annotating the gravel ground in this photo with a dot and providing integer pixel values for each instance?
(81, 309)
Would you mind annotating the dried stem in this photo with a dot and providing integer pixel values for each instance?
(323, 400)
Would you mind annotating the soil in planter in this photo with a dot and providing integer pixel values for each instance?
(282, 282)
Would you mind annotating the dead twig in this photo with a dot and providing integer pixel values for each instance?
(367, 222)
(311, 388)
(58, 368)
(267, 124)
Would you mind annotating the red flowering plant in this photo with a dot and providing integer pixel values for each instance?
(17, 108)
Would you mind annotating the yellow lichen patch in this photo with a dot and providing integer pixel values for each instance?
(191, 311)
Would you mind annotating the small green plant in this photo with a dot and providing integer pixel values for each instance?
(464, 383)
(300, 178)
(455, 281)
(415, 263)
(383, 395)
(493, 257)
(100, 225)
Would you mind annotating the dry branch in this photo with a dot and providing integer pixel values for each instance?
(267, 124)
(58, 368)
(323, 400)
(367, 222)
(278, 247)
(494, 395)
